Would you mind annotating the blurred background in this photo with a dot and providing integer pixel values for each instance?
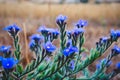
(102, 16)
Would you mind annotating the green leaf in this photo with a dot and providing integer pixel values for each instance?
(15, 73)
(82, 40)
(83, 50)
(58, 76)
(19, 68)
(30, 74)
(41, 67)
(54, 67)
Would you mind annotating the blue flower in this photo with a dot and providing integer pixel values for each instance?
(118, 65)
(5, 49)
(36, 37)
(78, 31)
(115, 50)
(104, 39)
(60, 20)
(69, 34)
(12, 29)
(54, 33)
(118, 33)
(49, 47)
(49, 32)
(98, 66)
(1, 58)
(115, 34)
(81, 23)
(70, 50)
(72, 64)
(32, 45)
(103, 62)
(43, 30)
(69, 43)
(9, 63)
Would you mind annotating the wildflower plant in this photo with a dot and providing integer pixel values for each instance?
(58, 63)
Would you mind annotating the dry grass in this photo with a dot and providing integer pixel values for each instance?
(75, 11)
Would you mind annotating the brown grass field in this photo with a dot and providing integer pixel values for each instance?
(30, 16)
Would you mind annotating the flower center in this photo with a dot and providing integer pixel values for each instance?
(8, 64)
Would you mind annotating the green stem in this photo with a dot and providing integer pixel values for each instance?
(23, 74)
(90, 60)
(17, 47)
(56, 70)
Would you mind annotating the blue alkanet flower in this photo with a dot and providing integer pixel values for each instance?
(118, 33)
(1, 58)
(70, 50)
(72, 64)
(48, 32)
(43, 30)
(104, 39)
(115, 50)
(61, 20)
(5, 49)
(69, 43)
(36, 37)
(12, 29)
(81, 23)
(69, 34)
(9, 63)
(54, 33)
(75, 32)
(32, 45)
(103, 62)
(49, 47)
(78, 31)
(115, 34)
(118, 65)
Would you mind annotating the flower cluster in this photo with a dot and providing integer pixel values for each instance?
(81, 23)
(115, 34)
(8, 62)
(12, 29)
(61, 20)
(48, 33)
(115, 51)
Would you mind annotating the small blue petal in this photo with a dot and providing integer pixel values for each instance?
(81, 23)
(78, 31)
(104, 39)
(98, 66)
(115, 34)
(118, 65)
(68, 51)
(32, 44)
(12, 29)
(116, 50)
(1, 58)
(72, 64)
(48, 31)
(118, 33)
(49, 47)
(36, 37)
(61, 18)
(5, 49)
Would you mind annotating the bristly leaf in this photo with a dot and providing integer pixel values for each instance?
(19, 68)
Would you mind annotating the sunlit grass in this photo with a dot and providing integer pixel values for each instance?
(75, 11)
